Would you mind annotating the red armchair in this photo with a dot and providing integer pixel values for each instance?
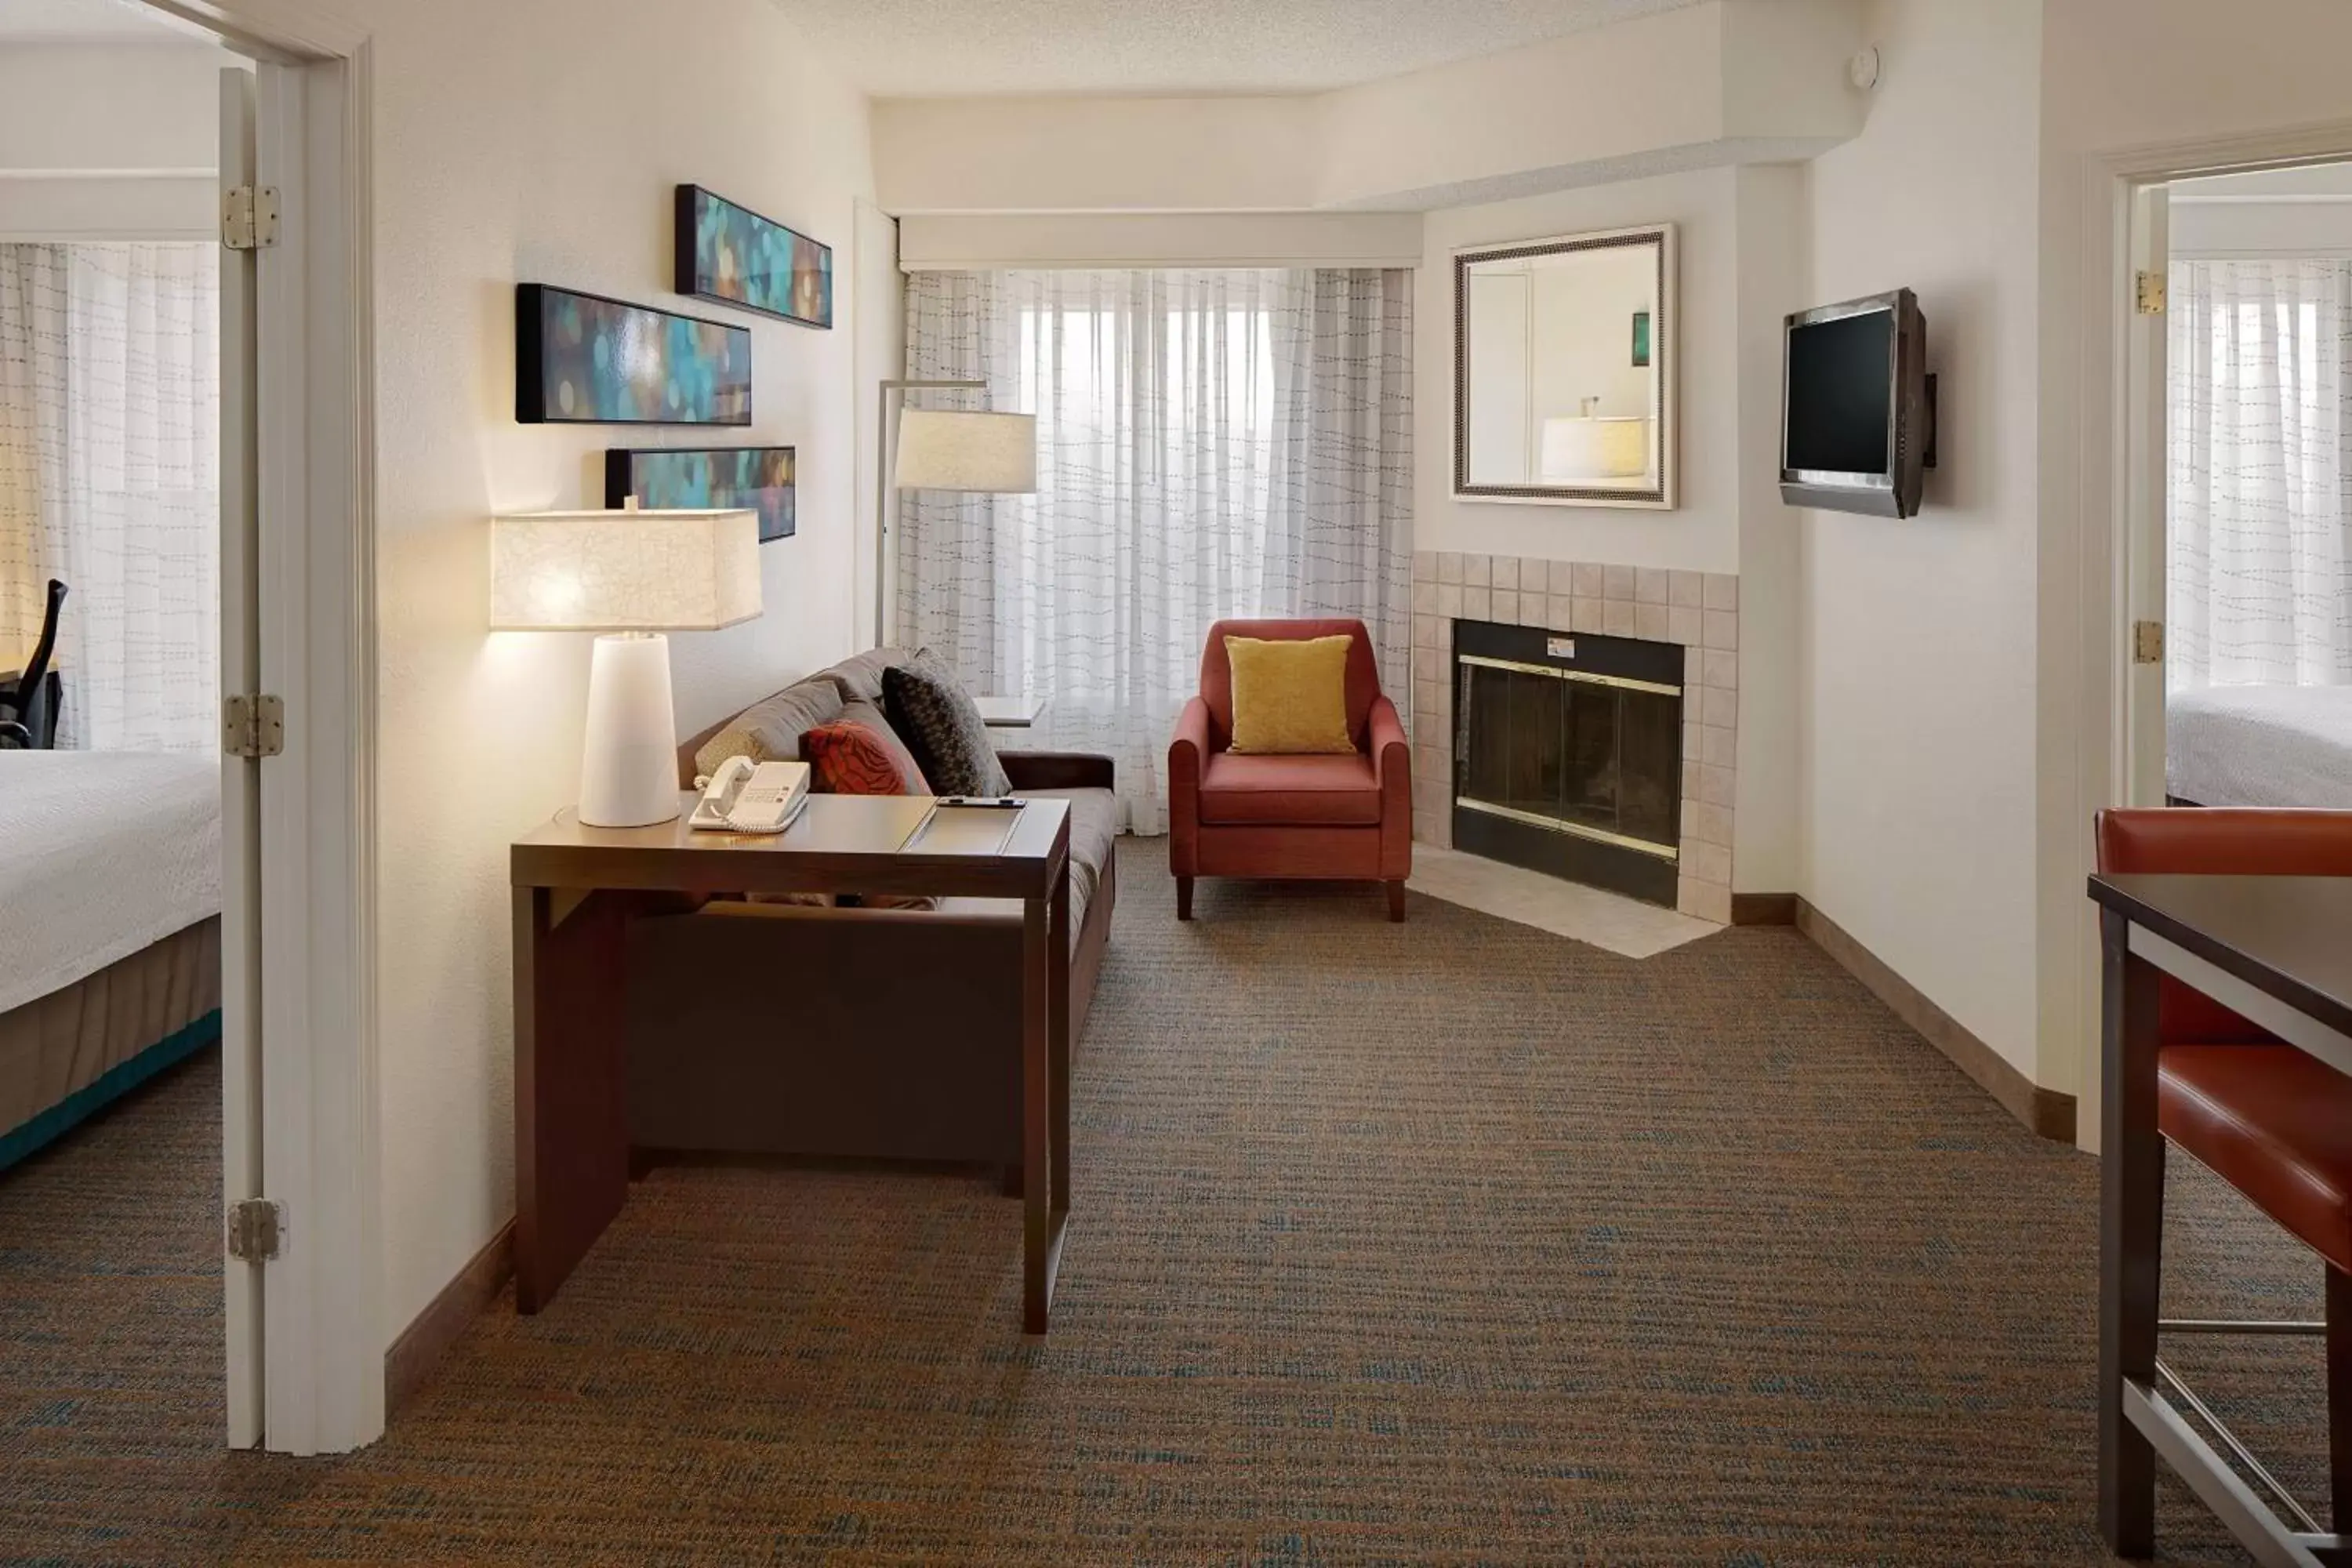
(1338, 818)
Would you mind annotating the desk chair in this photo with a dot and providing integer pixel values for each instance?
(20, 702)
(2271, 1120)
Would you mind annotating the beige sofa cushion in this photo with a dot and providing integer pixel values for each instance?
(1094, 839)
(860, 679)
(769, 730)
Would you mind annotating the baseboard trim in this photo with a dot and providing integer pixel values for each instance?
(2043, 1110)
(1763, 909)
(421, 1345)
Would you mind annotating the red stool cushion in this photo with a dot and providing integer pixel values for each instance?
(2273, 1123)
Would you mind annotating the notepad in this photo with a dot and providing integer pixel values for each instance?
(958, 829)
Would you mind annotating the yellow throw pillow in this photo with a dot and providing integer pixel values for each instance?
(1290, 697)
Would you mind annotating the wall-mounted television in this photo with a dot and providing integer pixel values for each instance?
(1858, 407)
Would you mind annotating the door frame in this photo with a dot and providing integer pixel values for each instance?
(2118, 462)
(323, 1338)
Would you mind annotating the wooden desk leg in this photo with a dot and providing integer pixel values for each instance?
(1057, 958)
(572, 1133)
(2131, 1238)
(1041, 1247)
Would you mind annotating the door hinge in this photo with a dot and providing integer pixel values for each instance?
(255, 1229)
(2147, 642)
(250, 217)
(253, 726)
(2149, 293)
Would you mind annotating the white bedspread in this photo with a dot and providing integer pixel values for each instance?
(102, 853)
(2259, 745)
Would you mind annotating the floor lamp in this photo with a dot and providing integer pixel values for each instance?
(942, 449)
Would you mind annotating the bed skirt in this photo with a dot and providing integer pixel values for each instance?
(70, 1053)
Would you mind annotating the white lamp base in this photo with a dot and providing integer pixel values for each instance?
(628, 774)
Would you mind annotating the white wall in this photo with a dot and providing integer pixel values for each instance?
(995, 241)
(880, 322)
(1774, 278)
(1703, 86)
(2127, 77)
(2285, 230)
(1918, 825)
(110, 141)
(545, 148)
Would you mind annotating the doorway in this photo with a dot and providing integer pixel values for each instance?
(283, 614)
(2245, 571)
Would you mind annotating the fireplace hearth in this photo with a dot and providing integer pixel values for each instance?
(1568, 756)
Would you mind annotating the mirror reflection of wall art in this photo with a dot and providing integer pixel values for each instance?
(582, 359)
(733, 254)
(1548, 405)
(706, 478)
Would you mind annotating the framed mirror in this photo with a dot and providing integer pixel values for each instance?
(1564, 370)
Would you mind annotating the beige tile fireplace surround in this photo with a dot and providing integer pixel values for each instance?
(1699, 610)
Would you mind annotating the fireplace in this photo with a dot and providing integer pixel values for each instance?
(1568, 756)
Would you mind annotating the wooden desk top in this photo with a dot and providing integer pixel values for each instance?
(840, 844)
(2289, 937)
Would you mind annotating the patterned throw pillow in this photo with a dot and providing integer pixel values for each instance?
(851, 758)
(941, 725)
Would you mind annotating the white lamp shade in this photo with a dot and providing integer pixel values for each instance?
(624, 571)
(941, 450)
(1613, 448)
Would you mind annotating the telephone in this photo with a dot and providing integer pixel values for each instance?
(744, 796)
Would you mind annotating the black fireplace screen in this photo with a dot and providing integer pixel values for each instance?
(1590, 752)
(1568, 754)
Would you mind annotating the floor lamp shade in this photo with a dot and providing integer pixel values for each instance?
(943, 449)
(630, 575)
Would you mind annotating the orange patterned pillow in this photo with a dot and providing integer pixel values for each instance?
(850, 758)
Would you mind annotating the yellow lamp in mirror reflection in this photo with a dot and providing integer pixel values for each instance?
(1577, 449)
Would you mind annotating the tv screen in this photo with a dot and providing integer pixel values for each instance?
(1841, 392)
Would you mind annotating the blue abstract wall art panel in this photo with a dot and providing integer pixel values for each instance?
(582, 359)
(706, 478)
(733, 254)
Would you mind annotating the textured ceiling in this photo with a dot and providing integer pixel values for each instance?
(85, 21)
(932, 48)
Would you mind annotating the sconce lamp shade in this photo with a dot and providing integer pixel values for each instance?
(624, 571)
(941, 450)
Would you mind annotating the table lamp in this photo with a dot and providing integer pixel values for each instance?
(630, 575)
(948, 449)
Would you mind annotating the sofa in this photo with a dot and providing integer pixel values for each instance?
(885, 1033)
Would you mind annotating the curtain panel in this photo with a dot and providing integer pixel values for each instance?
(109, 449)
(2259, 568)
(1212, 443)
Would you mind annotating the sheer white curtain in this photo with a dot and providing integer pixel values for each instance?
(1210, 444)
(109, 408)
(2259, 574)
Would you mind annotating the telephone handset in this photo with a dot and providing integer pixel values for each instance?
(744, 796)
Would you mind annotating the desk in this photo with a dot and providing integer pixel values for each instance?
(576, 888)
(2278, 951)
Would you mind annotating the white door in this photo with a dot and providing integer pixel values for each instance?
(241, 1171)
(2146, 399)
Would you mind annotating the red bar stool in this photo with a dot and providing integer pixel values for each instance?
(2272, 1120)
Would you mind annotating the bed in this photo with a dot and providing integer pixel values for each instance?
(2259, 745)
(110, 930)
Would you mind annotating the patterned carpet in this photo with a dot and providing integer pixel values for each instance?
(1453, 1242)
